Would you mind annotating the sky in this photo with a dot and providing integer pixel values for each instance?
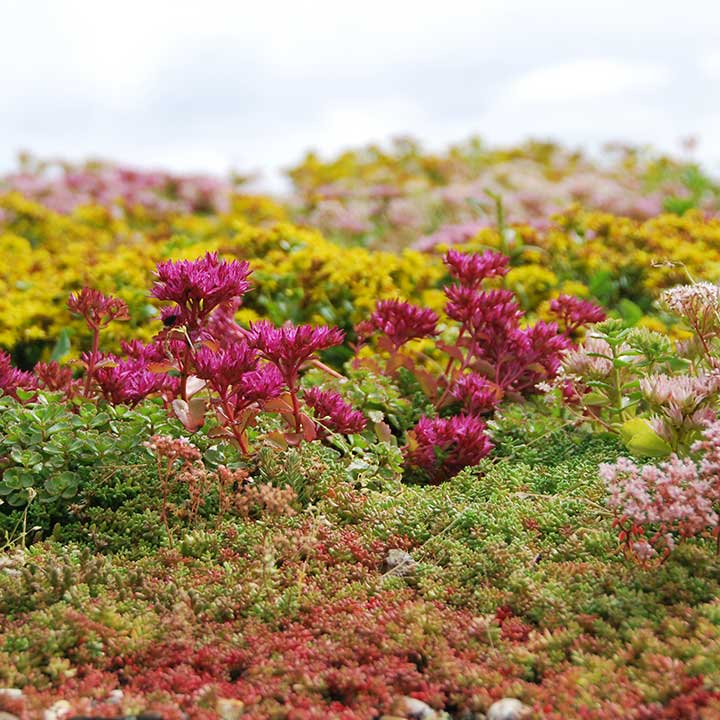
(216, 85)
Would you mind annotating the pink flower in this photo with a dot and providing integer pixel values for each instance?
(481, 312)
(698, 303)
(173, 448)
(685, 392)
(97, 309)
(333, 413)
(222, 324)
(524, 358)
(55, 377)
(441, 447)
(290, 346)
(676, 498)
(151, 353)
(470, 269)
(227, 366)
(575, 312)
(197, 287)
(477, 394)
(399, 322)
(127, 381)
(12, 379)
(592, 360)
(257, 387)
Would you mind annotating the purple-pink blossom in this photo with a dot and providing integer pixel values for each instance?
(12, 379)
(290, 346)
(470, 269)
(441, 447)
(227, 366)
(97, 309)
(399, 321)
(333, 413)
(482, 312)
(477, 394)
(197, 287)
(127, 381)
(257, 387)
(573, 312)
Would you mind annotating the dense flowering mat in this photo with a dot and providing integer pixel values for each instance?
(434, 437)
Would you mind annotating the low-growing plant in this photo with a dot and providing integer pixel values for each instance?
(658, 395)
(491, 357)
(658, 506)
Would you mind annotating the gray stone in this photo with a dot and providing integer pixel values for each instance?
(508, 709)
(59, 710)
(230, 709)
(398, 562)
(115, 697)
(13, 693)
(414, 709)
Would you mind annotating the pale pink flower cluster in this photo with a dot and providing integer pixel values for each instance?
(687, 299)
(591, 361)
(656, 505)
(685, 391)
(62, 187)
(173, 448)
(682, 404)
(698, 304)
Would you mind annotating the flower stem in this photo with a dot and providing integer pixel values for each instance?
(92, 361)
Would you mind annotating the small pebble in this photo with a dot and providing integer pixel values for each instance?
(12, 693)
(399, 562)
(57, 711)
(230, 709)
(508, 709)
(414, 709)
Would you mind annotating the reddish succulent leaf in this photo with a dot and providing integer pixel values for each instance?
(194, 385)
(190, 414)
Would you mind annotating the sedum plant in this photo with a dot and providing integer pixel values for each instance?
(487, 355)
(658, 395)
(658, 506)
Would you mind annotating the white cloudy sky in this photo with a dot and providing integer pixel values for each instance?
(250, 85)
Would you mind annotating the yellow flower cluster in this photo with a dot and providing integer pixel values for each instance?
(297, 274)
(300, 275)
(640, 257)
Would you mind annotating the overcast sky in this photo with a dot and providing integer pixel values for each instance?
(212, 85)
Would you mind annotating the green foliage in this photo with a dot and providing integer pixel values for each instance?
(70, 460)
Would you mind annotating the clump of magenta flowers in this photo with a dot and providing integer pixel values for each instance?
(202, 362)
(489, 353)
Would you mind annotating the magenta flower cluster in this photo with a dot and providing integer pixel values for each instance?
(333, 413)
(97, 309)
(197, 287)
(444, 446)
(477, 394)
(470, 269)
(12, 379)
(574, 312)
(289, 347)
(493, 356)
(203, 360)
(399, 322)
(129, 381)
